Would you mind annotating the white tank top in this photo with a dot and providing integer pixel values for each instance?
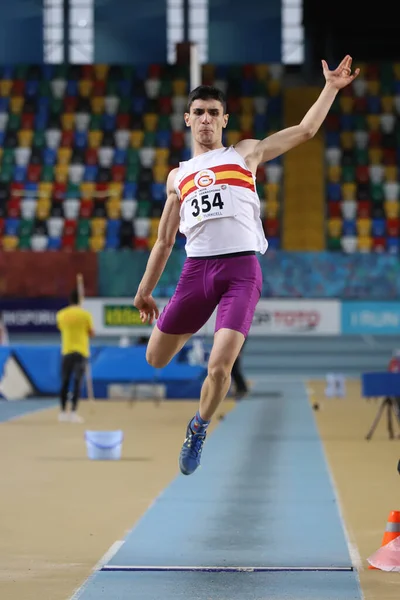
(220, 207)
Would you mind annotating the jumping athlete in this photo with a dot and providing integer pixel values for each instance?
(212, 199)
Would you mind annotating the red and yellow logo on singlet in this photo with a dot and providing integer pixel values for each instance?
(223, 174)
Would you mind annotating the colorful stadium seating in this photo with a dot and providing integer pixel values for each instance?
(362, 160)
(85, 150)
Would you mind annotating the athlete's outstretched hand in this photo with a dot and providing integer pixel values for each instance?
(342, 75)
(147, 308)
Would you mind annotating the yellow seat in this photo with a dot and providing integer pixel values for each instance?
(160, 173)
(334, 173)
(349, 191)
(98, 225)
(10, 242)
(364, 243)
(375, 156)
(64, 155)
(246, 122)
(233, 137)
(96, 243)
(179, 87)
(101, 71)
(346, 103)
(271, 191)
(391, 173)
(364, 227)
(43, 210)
(150, 121)
(5, 87)
(154, 223)
(271, 208)
(274, 87)
(115, 189)
(247, 105)
(85, 87)
(387, 104)
(208, 71)
(16, 104)
(335, 227)
(113, 209)
(161, 155)
(396, 70)
(25, 137)
(261, 71)
(95, 138)
(87, 190)
(137, 138)
(68, 121)
(374, 122)
(391, 209)
(45, 189)
(373, 87)
(1, 154)
(61, 173)
(347, 140)
(97, 103)
(151, 241)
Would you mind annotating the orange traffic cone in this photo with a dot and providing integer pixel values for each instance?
(392, 530)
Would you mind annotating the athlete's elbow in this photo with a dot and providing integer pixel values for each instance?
(166, 242)
(308, 131)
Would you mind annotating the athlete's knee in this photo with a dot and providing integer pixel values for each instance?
(219, 372)
(155, 359)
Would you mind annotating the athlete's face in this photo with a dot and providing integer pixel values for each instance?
(207, 120)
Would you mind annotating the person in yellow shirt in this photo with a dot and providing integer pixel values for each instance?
(76, 327)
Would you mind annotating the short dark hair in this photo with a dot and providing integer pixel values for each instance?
(206, 92)
(74, 297)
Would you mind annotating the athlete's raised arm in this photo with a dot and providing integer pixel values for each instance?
(256, 152)
(159, 255)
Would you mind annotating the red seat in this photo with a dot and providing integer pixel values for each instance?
(59, 191)
(155, 71)
(70, 227)
(261, 176)
(2, 226)
(67, 138)
(393, 227)
(364, 209)
(141, 243)
(68, 242)
(70, 104)
(334, 210)
(362, 174)
(360, 105)
(165, 105)
(271, 227)
(247, 135)
(177, 140)
(389, 156)
(99, 88)
(86, 209)
(332, 122)
(375, 139)
(28, 121)
(118, 172)
(123, 121)
(18, 87)
(33, 173)
(14, 208)
(91, 156)
(87, 72)
(233, 105)
(16, 190)
(379, 244)
(248, 71)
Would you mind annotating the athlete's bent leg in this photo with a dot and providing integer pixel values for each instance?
(162, 347)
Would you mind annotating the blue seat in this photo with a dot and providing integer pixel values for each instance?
(81, 139)
(332, 139)
(49, 156)
(378, 227)
(393, 245)
(54, 243)
(221, 71)
(4, 102)
(109, 122)
(273, 243)
(124, 87)
(113, 227)
(43, 103)
(374, 105)
(163, 139)
(2, 135)
(260, 122)
(349, 227)
(72, 88)
(130, 190)
(111, 243)
(11, 226)
(139, 104)
(19, 173)
(120, 156)
(41, 120)
(141, 72)
(48, 71)
(247, 87)
(274, 106)
(31, 87)
(334, 191)
(158, 191)
(31, 189)
(90, 173)
(186, 154)
(8, 72)
(180, 241)
(346, 122)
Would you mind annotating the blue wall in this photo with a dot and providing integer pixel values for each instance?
(21, 31)
(244, 32)
(130, 32)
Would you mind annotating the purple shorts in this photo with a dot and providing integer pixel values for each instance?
(232, 283)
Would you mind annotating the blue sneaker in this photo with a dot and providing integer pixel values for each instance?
(189, 458)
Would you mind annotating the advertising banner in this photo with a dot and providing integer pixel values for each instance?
(29, 315)
(363, 318)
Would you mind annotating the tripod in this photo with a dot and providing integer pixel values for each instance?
(392, 406)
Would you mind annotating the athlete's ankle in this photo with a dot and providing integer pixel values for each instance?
(198, 425)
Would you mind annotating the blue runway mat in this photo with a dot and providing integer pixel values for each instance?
(15, 409)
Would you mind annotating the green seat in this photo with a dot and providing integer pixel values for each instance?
(61, 72)
(8, 156)
(274, 123)
(360, 123)
(24, 242)
(166, 88)
(124, 105)
(111, 88)
(133, 157)
(348, 174)
(14, 122)
(233, 123)
(47, 173)
(95, 123)
(164, 123)
(6, 173)
(83, 229)
(73, 190)
(39, 139)
(361, 156)
(128, 72)
(56, 106)
(260, 88)
(260, 190)
(82, 242)
(144, 209)
(334, 243)
(20, 71)
(25, 228)
(132, 172)
(377, 194)
(149, 139)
